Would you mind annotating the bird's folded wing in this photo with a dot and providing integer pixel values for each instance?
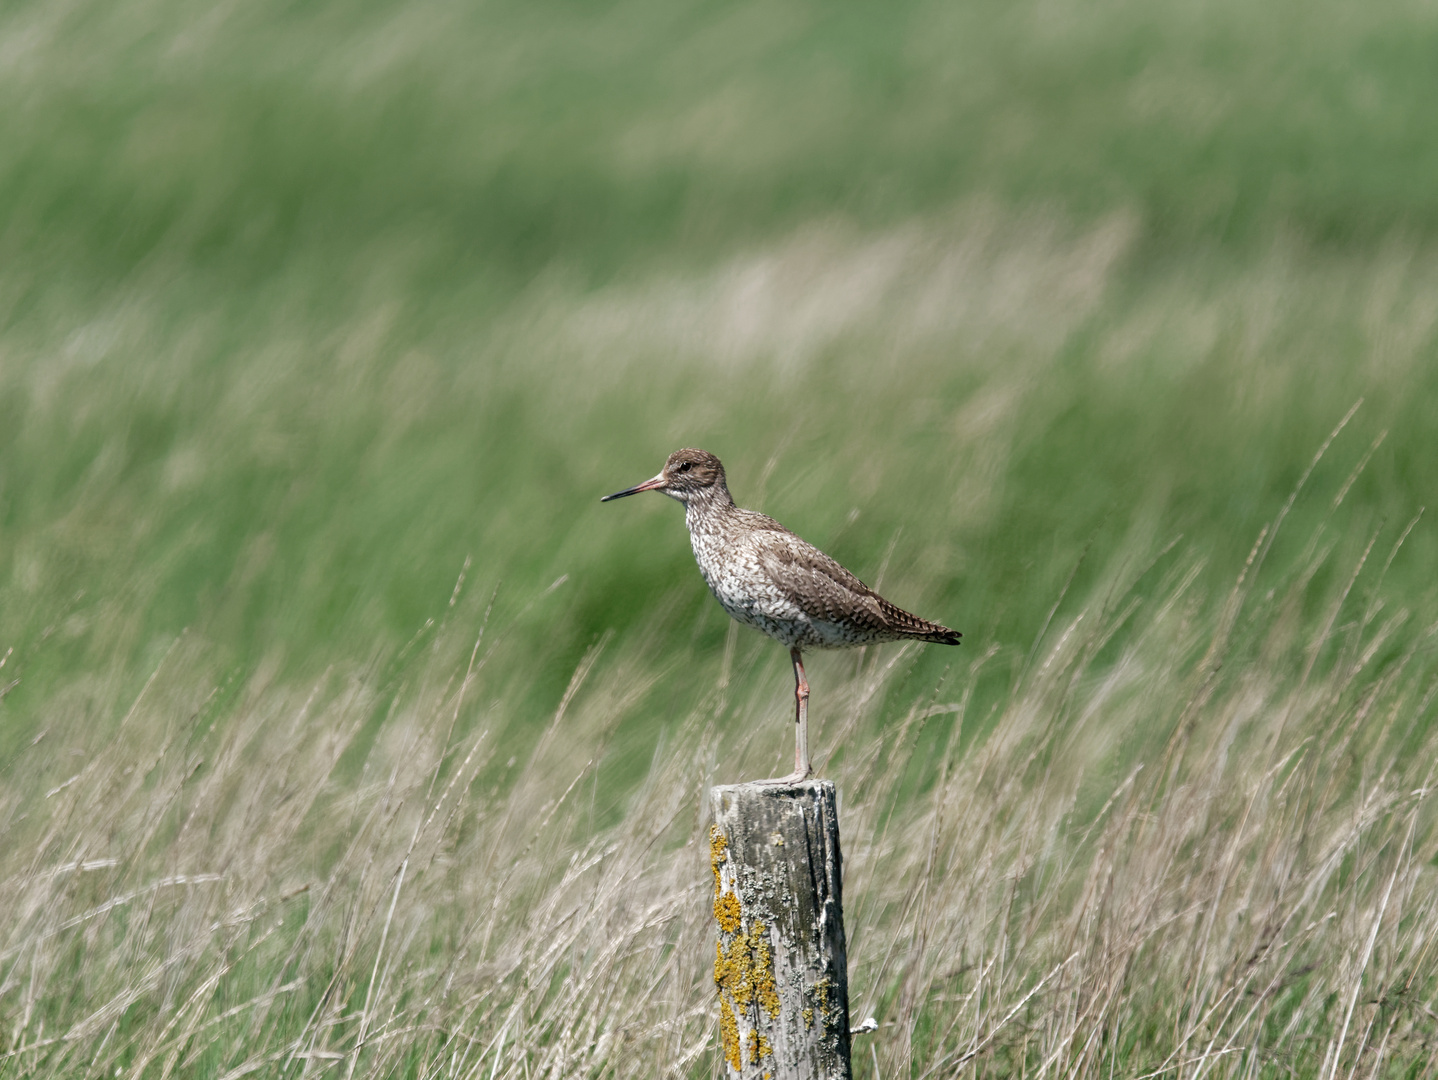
(816, 583)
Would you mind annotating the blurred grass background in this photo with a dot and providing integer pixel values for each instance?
(304, 304)
(307, 307)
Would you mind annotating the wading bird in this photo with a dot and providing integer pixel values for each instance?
(766, 577)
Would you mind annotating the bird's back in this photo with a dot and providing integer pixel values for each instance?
(769, 578)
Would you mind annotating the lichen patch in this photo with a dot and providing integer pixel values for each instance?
(758, 1048)
(821, 992)
(743, 968)
(727, 912)
(764, 988)
(729, 1035)
(718, 852)
(734, 971)
(746, 969)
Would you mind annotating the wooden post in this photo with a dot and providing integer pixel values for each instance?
(779, 963)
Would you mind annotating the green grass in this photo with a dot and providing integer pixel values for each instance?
(1034, 314)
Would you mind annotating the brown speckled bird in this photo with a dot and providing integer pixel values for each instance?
(768, 578)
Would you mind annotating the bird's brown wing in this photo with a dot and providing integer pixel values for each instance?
(825, 590)
(816, 583)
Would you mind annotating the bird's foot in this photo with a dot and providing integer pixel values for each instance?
(795, 777)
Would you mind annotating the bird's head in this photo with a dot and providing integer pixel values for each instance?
(688, 474)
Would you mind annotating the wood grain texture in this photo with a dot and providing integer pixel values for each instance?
(780, 966)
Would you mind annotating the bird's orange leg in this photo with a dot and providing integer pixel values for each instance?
(802, 768)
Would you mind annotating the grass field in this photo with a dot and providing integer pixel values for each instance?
(344, 733)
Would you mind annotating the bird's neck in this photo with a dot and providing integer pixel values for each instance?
(707, 506)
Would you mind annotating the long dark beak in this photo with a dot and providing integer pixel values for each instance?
(648, 485)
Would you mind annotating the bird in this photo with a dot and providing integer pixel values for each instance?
(766, 577)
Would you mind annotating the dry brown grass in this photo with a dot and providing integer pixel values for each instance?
(1195, 840)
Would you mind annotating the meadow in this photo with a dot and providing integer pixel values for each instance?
(344, 733)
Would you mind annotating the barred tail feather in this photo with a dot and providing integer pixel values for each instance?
(909, 625)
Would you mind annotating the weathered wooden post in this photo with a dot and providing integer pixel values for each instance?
(779, 963)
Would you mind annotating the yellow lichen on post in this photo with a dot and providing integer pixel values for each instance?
(743, 976)
(821, 991)
(718, 852)
(758, 1048)
(746, 969)
(729, 1035)
(741, 970)
(726, 912)
(732, 971)
(764, 987)
(779, 958)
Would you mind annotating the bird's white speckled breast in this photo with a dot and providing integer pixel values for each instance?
(738, 580)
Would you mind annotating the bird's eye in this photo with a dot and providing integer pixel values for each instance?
(686, 466)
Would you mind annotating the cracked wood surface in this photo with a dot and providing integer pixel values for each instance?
(780, 966)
